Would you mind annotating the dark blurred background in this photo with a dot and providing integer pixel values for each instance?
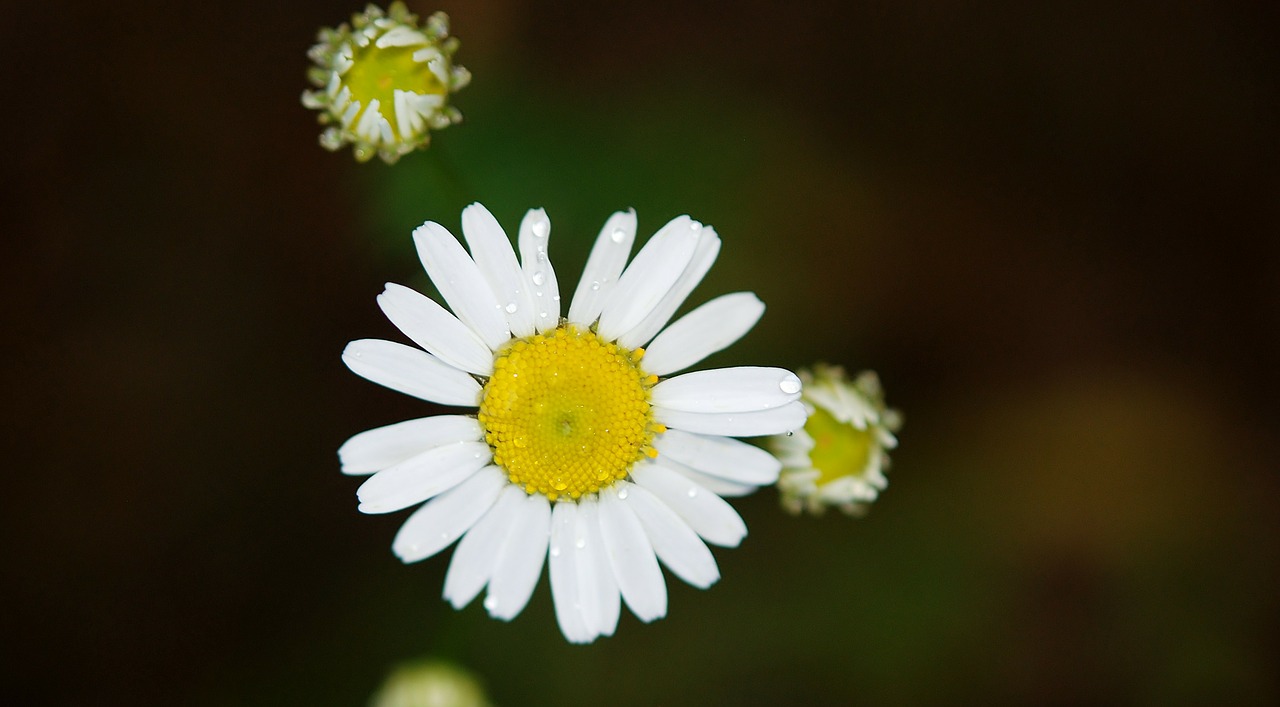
(1051, 227)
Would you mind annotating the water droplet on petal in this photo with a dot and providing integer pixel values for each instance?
(790, 385)
(623, 493)
(491, 603)
(790, 433)
(580, 543)
(539, 278)
(595, 285)
(618, 235)
(693, 492)
(542, 314)
(555, 550)
(511, 307)
(541, 228)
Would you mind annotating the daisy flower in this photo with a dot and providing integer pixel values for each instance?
(580, 454)
(383, 82)
(840, 455)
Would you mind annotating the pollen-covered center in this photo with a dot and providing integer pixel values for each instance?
(377, 72)
(568, 414)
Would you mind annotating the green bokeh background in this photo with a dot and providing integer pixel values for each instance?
(1051, 227)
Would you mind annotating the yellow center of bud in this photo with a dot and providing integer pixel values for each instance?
(377, 73)
(568, 414)
(839, 448)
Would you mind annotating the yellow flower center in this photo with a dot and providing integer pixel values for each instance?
(839, 448)
(377, 73)
(568, 414)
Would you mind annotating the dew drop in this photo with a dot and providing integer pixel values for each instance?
(555, 550)
(595, 285)
(790, 433)
(693, 492)
(511, 308)
(491, 603)
(444, 536)
(542, 314)
(540, 229)
(623, 493)
(695, 227)
(618, 235)
(580, 543)
(790, 386)
(539, 278)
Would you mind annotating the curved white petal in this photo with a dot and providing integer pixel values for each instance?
(525, 550)
(411, 371)
(597, 587)
(725, 457)
(421, 477)
(433, 328)
(480, 550)
(704, 255)
(702, 332)
(608, 256)
(446, 517)
(739, 389)
(492, 253)
(709, 515)
(566, 594)
(381, 447)
(460, 283)
(715, 484)
(649, 277)
(631, 557)
(540, 277)
(674, 542)
(735, 424)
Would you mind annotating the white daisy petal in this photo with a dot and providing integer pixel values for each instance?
(779, 420)
(480, 550)
(400, 37)
(740, 389)
(725, 457)
(674, 542)
(433, 328)
(446, 517)
(381, 447)
(460, 283)
(703, 257)
(535, 233)
(421, 477)
(596, 584)
(516, 573)
(492, 253)
(608, 256)
(702, 332)
(563, 566)
(708, 514)
(649, 277)
(719, 486)
(411, 371)
(631, 556)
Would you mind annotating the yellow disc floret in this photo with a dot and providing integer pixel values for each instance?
(568, 414)
(839, 448)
